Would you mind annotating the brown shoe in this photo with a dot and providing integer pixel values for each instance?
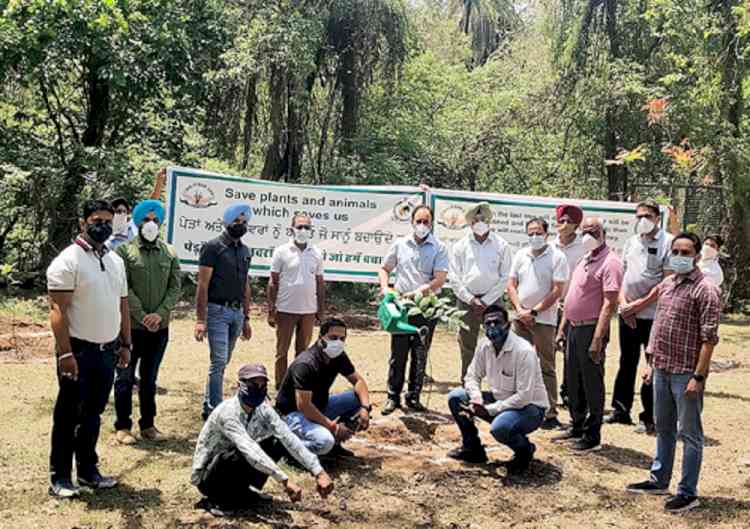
(125, 437)
(151, 434)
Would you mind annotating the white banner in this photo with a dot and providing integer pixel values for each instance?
(352, 225)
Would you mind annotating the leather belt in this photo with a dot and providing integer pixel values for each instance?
(583, 323)
(234, 304)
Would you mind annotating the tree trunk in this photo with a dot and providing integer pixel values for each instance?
(273, 166)
(251, 104)
(350, 99)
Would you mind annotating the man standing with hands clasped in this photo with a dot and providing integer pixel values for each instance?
(88, 293)
(223, 298)
(420, 262)
(296, 293)
(537, 280)
(591, 303)
(478, 275)
(682, 341)
(153, 272)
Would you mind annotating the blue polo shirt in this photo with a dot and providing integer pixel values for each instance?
(415, 264)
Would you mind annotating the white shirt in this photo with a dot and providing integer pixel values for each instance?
(536, 276)
(480, 269)
(298, 278)
(94, 313)
(644, 262)
(712, 270)
(513, 375)
(573, 252)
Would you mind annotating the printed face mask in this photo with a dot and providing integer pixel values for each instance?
(150, 230)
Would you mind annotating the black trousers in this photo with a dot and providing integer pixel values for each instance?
(148, 351)
(564, 385)
(585, 380)
(631, 341)
(226, 479)
(402, 345)
(77, 417)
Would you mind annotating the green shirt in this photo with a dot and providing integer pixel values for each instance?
(153, 272)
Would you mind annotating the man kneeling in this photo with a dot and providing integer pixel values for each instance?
(516, 404)
(323, 422)
(240, 444)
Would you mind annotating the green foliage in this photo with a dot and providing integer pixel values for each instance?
(432, 307)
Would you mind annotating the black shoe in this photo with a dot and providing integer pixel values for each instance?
(551, 423)
(213, 508)
(647, 487)
(96, 481)
(390, 406)
(521, 461)
(584, 445)
(469, 456)
(63, 488)
(618, 418)
(340, 451)
(415, 405)
(681, 503)
(567, 435)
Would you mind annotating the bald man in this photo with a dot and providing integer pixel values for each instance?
(589, 306)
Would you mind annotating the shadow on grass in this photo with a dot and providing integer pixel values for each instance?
(716, 505)
(362, 467)
(725, 395)
(625, 456)
(540, 473)
(180, 445)
(128, 501)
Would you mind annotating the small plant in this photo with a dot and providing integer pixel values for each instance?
(431, 307)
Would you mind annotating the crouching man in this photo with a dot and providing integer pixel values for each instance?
(517, 402)
(240, 444)
(321, 420)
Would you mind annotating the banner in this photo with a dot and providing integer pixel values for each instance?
(352, 225)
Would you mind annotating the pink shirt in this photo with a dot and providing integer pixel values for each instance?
(596, 273)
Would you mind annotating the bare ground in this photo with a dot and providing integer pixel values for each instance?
(401, 477)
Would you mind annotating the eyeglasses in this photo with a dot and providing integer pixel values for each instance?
(303, 227)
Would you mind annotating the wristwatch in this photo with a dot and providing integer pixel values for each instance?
(368, 408)
(534, 312)
(698, 377)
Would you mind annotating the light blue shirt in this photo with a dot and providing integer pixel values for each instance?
(415, 264)
(117, 239)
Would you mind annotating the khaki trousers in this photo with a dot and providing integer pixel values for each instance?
(467, 338)
(542, 337)
(287, 325)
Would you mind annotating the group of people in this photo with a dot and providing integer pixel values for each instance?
(113, 289)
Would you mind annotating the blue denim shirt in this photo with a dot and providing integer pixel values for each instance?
(415, 264)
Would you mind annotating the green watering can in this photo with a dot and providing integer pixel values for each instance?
(395, 319)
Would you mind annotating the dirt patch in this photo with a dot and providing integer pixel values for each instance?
(22, 339)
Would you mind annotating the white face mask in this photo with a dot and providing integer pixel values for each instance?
(590, 243)
(334, 348)
(120, 223)
(302, 236)
(537, 242)
(150, 231)
(644, 226)
(480, 228)
(708, 253)
(421, 230)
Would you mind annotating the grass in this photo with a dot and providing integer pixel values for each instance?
(401, 478)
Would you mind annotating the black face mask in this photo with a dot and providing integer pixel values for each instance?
(237, 231)
(497, 334)
(99, 232)
(252, 395)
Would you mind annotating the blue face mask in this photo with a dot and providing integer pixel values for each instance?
(497, 334)
(681, 264)
(251, 395)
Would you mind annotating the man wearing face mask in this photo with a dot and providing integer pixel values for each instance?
(321, 420)
(590, 305)
(646, 264)
(296, 293)
(537, 280)
(88, 293)
(239, 446)
(153, 272)
(682, 341)
(517, 399)
(420, 262)
(478, 275)
(709, 263)
(222, 298)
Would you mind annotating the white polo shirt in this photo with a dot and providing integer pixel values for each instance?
(298, 283)
(94, 313)
(573, 252)
(536, 275)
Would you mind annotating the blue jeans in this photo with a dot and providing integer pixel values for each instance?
(224, 326)
(509, 427)
(317, 438)
(672, 407)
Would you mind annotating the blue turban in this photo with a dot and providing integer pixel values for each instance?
(234, 211)
(143, 209)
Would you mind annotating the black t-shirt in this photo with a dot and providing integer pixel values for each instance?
(311, 371)
(230, 261)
